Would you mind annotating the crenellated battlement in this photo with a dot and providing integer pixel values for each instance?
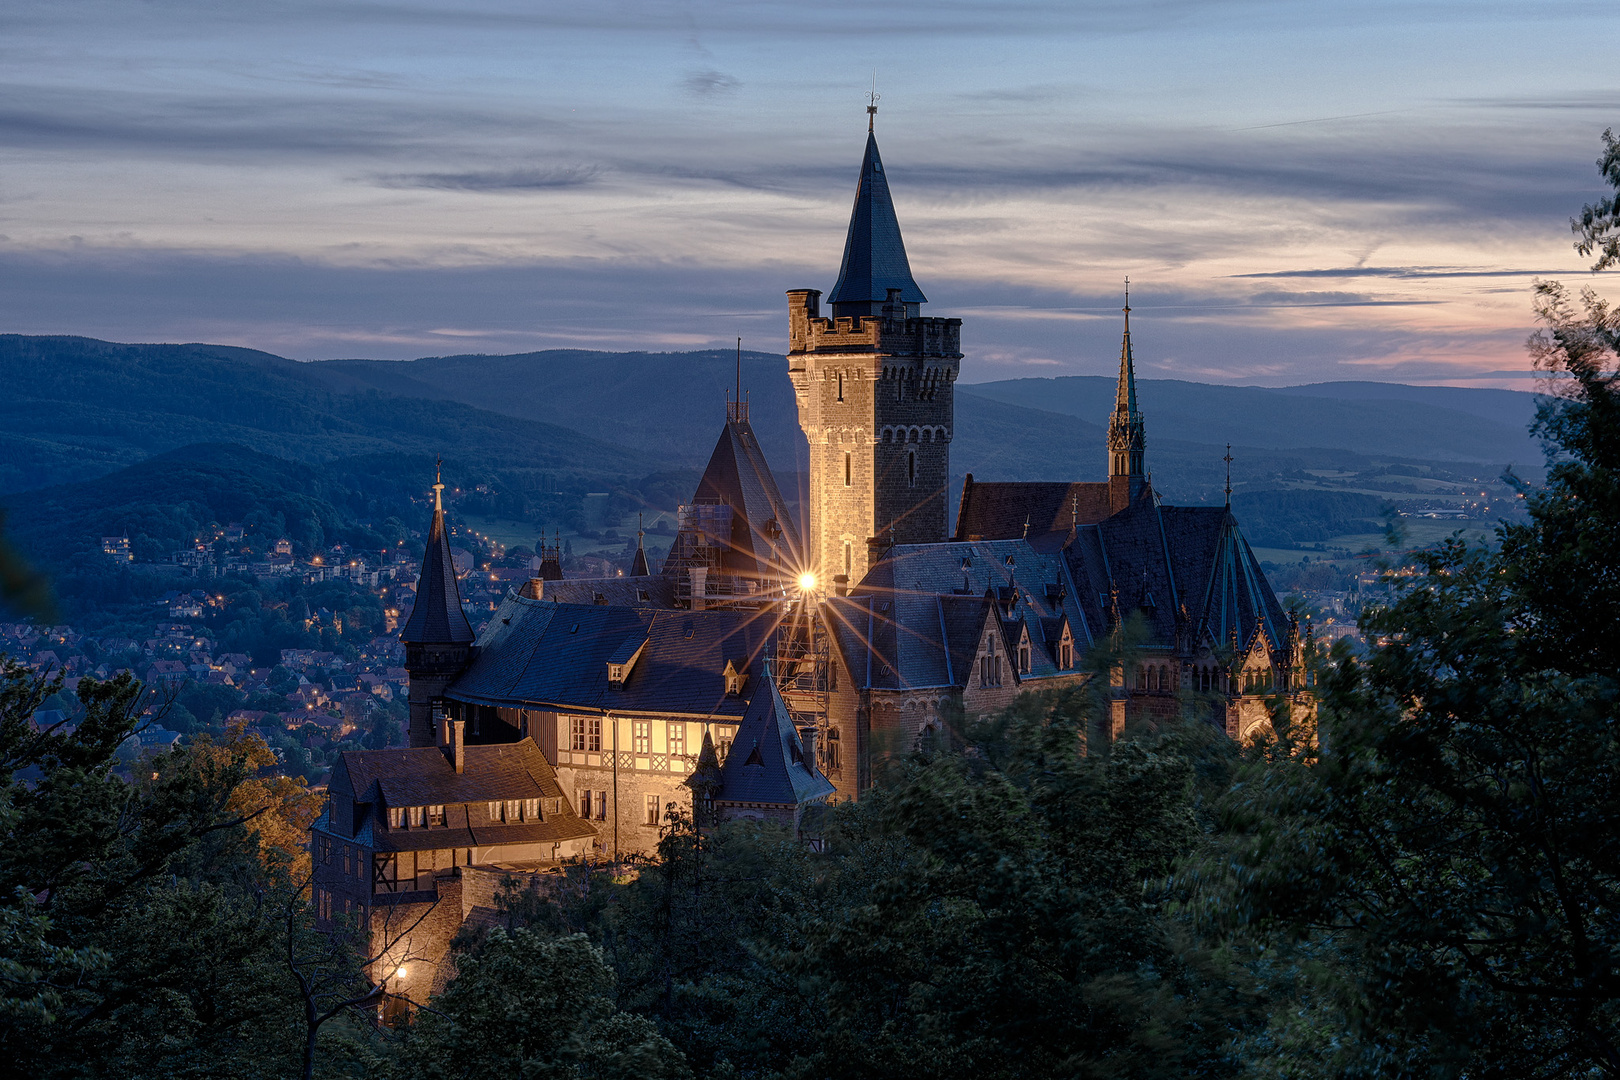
(892, 333)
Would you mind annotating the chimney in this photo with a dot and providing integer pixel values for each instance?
(807, 735)
(458, 745)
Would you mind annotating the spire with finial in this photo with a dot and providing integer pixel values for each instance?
(436, 617)
(638, 565)
(875, 272)
(1228, 460)
(871, 105)
(1127, 440)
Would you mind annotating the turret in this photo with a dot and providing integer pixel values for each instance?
(438, 639)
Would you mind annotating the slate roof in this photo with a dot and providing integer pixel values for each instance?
(998, 511)
(436, 617)
(656, 592)
(767, 761)
(874, 254)
(541, 653)
(923, 611)
(423, 776)
(764, 540)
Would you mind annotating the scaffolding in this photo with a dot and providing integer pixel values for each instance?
(804, 677)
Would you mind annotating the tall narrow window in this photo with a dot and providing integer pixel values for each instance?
(601, 805)
(848, 467)
(578, 732)
(1023, 659)
(848, 558)
(593, 733)
(514, 811)
(677, 739)
(641, 736)
(418, 816)
(840, 386)
(652, 809)
(911, 468)
(396, 817)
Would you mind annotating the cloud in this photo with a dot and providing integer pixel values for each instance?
(1407, 273)
(708, 84)
(561, 176)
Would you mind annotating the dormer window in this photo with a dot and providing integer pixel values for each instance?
(435, 815)
(417, 815)
(736, 676)
(396, 817)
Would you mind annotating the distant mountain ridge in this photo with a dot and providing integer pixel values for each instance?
(78, 408)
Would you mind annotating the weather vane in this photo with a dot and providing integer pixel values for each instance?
(871, 103)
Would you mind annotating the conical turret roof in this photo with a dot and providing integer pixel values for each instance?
(874, 255)
(437, 618)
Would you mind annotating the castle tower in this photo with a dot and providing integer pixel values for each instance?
(437, 637)
(874, 386)
(1127, 442)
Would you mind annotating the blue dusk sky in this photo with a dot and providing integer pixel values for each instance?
(1298, 191)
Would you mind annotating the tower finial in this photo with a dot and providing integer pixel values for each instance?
(1127, 307)
(871, 104)
(438, 485)
(1228, 460)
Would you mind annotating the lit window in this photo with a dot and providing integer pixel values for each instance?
(435, 815)
(396, 817)
(677, 739)
(514, 811)
(652, 809)
(531, 809)
(641, 736)
(578, 731)
(495, 813)
(417, 816)
(593, 733)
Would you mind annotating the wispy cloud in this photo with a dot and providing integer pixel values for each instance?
(561, 176)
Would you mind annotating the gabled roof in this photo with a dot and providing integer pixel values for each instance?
(539, 653)
(658, 592)
(764, 539)
(874, 254)
(767, 762)
(999, 511)
(436, 617)
(918, 616)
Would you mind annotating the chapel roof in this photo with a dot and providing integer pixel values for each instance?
(874, 254)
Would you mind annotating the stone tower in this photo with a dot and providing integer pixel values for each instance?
(437, 637)
(1127, 442)
(874, 385)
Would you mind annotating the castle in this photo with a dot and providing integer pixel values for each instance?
(761, 669)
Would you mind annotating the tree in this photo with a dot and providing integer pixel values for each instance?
(1444, 872)
(524, 1004)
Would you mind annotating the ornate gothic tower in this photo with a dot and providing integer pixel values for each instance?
(437, 637)
(874, 385)
(1127, 443)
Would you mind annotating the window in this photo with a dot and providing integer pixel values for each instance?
(582, 799)
(323, 901)
(553, 807)
(346, 870)
(435, 815)
(587, 733)
(1065, 655)
(641, 736)
(1023, 659)
(848, 558)
(531, 809)
(601, 805)
(848, 466)
(495, 813)
(652, 810)
(324, 846)
(396, 817)
(677, 739)
(840, 386)
(514, 811)
(990, 668)
(829, 750)
(722, 748)
(911, 468)
(417, 815)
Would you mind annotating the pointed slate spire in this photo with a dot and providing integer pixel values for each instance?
(638, 565)
(1127, 439)
(437, 618)
(874, 254)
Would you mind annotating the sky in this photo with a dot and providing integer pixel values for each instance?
(1297, 192)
